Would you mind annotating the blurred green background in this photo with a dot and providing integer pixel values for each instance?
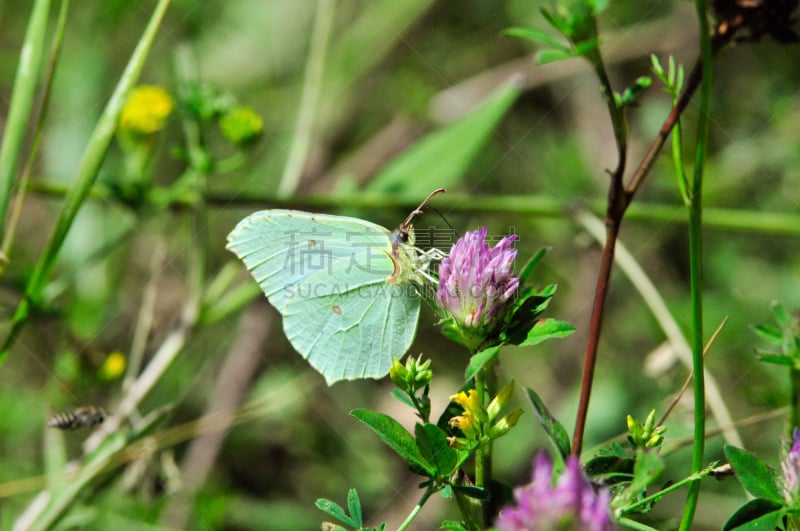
(394, 71)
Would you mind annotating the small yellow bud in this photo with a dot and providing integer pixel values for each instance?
(631, 424)
(398, 373)
(650, 422)
(241, 125)
(506, 422)
(500, 401)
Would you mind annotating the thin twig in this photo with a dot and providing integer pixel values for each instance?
(688, 380)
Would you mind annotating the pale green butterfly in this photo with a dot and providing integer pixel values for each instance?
(346, 288)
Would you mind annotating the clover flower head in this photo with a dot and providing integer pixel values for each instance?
(476, 282)
(571, 505)
(790, 465)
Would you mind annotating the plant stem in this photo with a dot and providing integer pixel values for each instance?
(22, 95)
(696, 266)
(691, 480)
(480, 454)
(87, 173)
(617, 203)
(619, 199)
(417, 508)
(309, 100)
(41, 114)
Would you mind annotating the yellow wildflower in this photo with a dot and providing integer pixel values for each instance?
(466, 423)
(113, 366)
(146, 110)
(468, 400)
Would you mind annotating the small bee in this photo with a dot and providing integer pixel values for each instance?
(80, 417)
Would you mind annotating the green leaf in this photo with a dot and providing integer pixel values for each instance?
(610, 469)
(754, 474)
(448, 152)
(531, 265)
(559, 23)
(334, 510)
(527, 308)
(403, 397)
(551, 426)
(450, 525)
(647, 469)
(756, 515)
(18, 120)
(551, 56)
(432, 444)
(584, 47)
(776, 359)
(537, 36)
(354, 506)
(632, 93)
(396, 436)
(547, 329)
(477, 362)
(478, 493)
(782, 315)
(769, 333)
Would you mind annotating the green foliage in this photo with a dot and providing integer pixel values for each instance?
(554, 430)
(525, 328)
(462, 141)
(768, 509)
(353, 519)
(672, 78)
(398, 439)
(82, 246)
(754, 475)
(756, 515)
(432, 443)
(647, 434)
(786, 336)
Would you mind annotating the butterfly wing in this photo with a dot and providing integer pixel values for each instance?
(333, 280)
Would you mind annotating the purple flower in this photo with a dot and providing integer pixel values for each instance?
(791, 470)
(571, 505)
(476, 284)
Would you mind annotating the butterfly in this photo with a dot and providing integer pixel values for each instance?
(345, 287)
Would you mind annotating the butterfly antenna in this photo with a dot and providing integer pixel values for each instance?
(417, 211)
(446, 222)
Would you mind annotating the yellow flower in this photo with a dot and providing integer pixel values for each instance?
(146, 110)
(466, 423)
(468, 400)
(113, 366)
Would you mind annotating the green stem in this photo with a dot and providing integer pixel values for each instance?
(696, 267)
(693, 479)
(16, 209)
(22, 95)
(309, 100)
(480, 453)
(417, 508)
(86, 175)
(633, 524)
(773, 223)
